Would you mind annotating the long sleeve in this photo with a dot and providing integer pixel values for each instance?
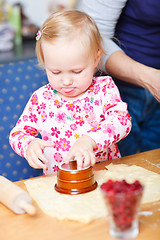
(106, 14)
(99, 113)
(115, 122)
(26, 128)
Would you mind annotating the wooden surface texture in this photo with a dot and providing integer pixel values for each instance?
(41, 226)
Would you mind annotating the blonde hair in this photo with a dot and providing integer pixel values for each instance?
(68, 23)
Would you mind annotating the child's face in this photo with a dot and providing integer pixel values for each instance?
(69, 66)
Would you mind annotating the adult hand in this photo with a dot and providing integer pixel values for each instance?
(152, 83)
(34, 153)
(82, 151)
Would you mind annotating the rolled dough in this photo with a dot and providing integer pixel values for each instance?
(89, 206)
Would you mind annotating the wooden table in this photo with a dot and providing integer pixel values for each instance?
(41, 226)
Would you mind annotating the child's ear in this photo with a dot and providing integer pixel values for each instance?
(98, 57)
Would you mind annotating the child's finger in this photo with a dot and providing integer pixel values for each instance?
(31, 163)
(79, 159)
(69, 158)
(87, 159)
(41, 156)
(93, 159)
(44, 144)
(38, 158)
(35, 162)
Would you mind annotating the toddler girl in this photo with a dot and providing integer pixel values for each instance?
(78, 116)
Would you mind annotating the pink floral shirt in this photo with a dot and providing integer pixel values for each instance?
(99, 113)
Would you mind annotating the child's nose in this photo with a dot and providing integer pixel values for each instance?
(67, 81)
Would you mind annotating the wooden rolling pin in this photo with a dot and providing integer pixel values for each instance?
(15, 198)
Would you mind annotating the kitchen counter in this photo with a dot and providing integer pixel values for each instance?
(41, 226)
(22, 52)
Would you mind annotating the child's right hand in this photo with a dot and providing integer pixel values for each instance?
(83, 151)
(34, 153)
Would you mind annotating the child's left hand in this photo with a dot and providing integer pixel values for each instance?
(82, 151)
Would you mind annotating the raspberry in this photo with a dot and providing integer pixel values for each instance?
(124, 200)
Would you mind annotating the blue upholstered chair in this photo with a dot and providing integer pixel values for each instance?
(18, 80)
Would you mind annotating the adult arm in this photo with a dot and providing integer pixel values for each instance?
(116, 62)
(105, 13)
(123, 67)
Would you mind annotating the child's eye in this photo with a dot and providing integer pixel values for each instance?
(77, 72)
(56, 72)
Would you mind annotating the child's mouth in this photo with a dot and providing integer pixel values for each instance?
(68, 90)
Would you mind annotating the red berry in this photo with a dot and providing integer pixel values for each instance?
(123, 199)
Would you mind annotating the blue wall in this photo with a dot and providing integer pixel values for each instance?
(18, 80)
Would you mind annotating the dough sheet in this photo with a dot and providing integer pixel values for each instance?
(90, 206)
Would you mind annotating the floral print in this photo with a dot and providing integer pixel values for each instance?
(55, 132)
(99, 113)
(34, 99)
(58, 157)
(60, 117)
(46, 136)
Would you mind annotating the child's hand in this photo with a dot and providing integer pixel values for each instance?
(82, 151)
(34, 153)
